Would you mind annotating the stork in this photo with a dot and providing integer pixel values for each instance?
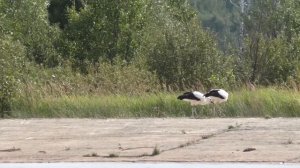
(195, 98)
(217, 96)
(214, 96)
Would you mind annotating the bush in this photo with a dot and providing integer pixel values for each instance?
(103, 30)
(101, 79)
(181, 53)
(270, 61)
(121, 78)
(27, 22)
(11, 64)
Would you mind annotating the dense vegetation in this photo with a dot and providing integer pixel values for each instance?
(79, 58)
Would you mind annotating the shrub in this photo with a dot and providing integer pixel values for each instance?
(27, 22)
(180, 52)
(11, 63)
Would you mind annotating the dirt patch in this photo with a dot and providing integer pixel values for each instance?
(180, 139)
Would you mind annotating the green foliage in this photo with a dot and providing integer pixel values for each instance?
(271, 52)
(221, 17)
(180, 52)
(11, 64)
(102, 79)
(127, 49)
(27, 22)
(122, 78)
(58, 10)
(273, 102)
(103, 30)
(274, 60)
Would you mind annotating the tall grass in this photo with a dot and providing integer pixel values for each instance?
(119, 106)
(264, 102)
(242, 103)
(126, 92)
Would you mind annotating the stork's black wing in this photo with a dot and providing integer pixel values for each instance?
(188, 95)
(214, 93)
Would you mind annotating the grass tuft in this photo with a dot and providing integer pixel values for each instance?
(289, 141)
(113, 155)
(91, 155)
(156, 151)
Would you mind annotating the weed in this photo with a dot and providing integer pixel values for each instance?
(189, 143)
(91, 155)
(289, 141)
(182, 145)
(249, 149)
(207, 136)
(67, 148)
(156, 151)
(268, 117)
(113, 155)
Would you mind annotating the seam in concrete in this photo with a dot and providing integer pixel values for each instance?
(189, 143)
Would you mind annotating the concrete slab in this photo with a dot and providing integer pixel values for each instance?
(151, 139)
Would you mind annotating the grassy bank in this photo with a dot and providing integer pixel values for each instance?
(266, 102)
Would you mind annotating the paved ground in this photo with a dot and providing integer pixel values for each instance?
(180, 139)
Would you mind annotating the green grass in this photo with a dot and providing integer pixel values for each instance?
(242, 103)
(263, 102)
(116, 106)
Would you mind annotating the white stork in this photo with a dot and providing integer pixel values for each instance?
(195, 98)
(217, 96)
(214, 96)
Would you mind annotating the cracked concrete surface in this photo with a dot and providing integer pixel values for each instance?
(174, 139)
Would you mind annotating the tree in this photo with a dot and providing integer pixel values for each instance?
(27, 21)
(272, 33)
(58, 10)
(221, 17)
(103, 30)
(11, 62)
(179, 51)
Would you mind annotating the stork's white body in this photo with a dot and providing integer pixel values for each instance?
(217, 96)
(195, 98)
(214, 96)
(203, 100)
